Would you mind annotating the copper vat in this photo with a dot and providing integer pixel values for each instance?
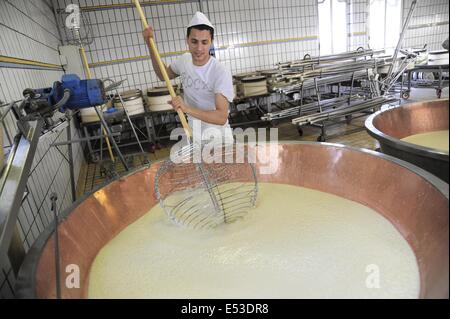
(412, 199)
(389, 126)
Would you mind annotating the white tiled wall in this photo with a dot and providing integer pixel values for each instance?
(357, 17)
(246, 25)
(241, 22)
(28, 30)
(427, 12)
(117, 35)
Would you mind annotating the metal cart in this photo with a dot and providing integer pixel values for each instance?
(416, 79)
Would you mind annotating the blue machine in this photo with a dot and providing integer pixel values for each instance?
(83, 93)
(70, 93)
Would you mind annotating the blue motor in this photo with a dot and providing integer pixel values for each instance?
(83, 93)
(70, 93)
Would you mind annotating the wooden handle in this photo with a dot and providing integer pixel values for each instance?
(89, 76)
(162, 67)
(86, 65)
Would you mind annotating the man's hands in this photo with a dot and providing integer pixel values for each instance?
(147, 34)
(178, 103)
(219, 116)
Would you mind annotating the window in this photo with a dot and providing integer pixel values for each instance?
(385, 23)
(332, 26)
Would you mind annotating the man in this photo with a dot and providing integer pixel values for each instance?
(207, 84)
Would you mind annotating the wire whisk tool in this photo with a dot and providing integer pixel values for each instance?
(203, 187)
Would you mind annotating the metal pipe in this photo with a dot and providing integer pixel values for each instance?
(54, 198)
(332, 57)
(131, 123)
(400, 40)
(14, 180)
(69, 150)
(305, 108)
(108, 132)
(309, 83)
(89, 76)
(346, 110)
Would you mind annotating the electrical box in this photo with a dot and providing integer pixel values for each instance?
(71, 60)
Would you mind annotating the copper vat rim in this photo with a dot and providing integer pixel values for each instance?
(402, 145)
(26, 279)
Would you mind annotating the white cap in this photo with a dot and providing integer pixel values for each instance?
(200, 18)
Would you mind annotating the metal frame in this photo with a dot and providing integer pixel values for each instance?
(151, 138)
(441, 83)
(14, 181)
(255, 103)
(329, 75)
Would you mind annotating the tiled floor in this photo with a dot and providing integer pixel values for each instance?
(94, 175)
(353, 134)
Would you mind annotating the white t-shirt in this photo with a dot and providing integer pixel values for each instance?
(200, 85)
